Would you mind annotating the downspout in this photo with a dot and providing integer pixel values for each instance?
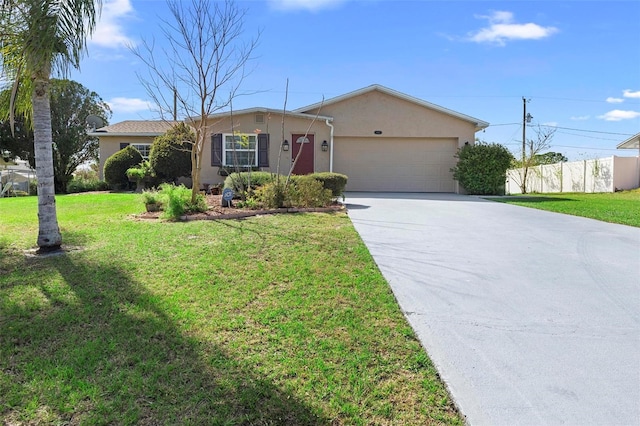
(327, 122)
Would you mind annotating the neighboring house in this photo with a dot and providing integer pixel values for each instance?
(117, 136)
(383, 140)
(632, 143)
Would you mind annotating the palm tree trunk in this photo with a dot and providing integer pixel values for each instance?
(49, 238)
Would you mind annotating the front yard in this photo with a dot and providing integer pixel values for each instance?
(280, 319)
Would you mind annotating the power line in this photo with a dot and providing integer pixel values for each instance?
(587, 131)
(566, 128)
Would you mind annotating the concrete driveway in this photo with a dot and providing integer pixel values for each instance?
(530, 317)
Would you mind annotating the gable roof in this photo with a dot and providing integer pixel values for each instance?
(632, 143)
(480, 124)
(135, 128)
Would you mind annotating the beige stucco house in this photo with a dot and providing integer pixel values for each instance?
(383, 140)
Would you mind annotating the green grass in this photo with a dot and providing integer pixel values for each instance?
(619, 207)
(281, 319)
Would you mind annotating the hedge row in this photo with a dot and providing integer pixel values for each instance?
(335, 182)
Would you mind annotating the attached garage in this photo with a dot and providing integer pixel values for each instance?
(396, 164)
(386, 141)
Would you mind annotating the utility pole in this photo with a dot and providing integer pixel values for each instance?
(526, 118)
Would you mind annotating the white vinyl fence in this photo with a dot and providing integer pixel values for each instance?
(601, 175)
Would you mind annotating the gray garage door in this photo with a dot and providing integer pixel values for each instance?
(402, 165)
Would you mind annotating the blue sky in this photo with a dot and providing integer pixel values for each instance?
(577, 61)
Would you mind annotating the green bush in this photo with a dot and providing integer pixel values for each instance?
(116, 166)
(170, 154)
(271, 195)
(336, 182)
(482, 168)
(303, 191)
(307, 191)
(239, 182)
(177, 201)
(79, 184)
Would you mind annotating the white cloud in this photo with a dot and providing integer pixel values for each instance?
(129, 105)
(502, 28)
(615, 100)
(580, 118)
(109, 30)
(619, 115)
(629, 94)
(310, 5)
(551, 124)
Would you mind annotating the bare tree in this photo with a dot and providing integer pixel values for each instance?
(530, 159)
(201, 69)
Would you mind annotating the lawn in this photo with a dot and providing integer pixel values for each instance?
(281, 319)
(618, 207)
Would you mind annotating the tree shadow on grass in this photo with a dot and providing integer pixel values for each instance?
(91, 345)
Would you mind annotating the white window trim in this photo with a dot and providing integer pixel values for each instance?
(137, 145)
(225, 150)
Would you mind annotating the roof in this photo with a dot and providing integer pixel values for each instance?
(632, 143)
(255, 110)
(480, 124)
(135, 128)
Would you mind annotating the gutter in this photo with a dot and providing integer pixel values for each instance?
(327, 122)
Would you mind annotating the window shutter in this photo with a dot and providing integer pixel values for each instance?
(123, 145)
(263, 150)
(216, 150)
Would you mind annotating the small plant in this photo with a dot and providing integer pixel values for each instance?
(141, 174)
(152, 200)
(177, 201)
(251, 203)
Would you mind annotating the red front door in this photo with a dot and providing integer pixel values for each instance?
(304, 165)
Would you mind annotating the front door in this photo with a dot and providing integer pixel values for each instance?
(304, 166)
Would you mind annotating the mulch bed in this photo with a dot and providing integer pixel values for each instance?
(217, 211)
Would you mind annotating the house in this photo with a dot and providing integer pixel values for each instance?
(117, 136)
(632, 143)
(383, 140)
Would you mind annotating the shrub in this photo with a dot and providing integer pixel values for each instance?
(336, 182)
(271, 195)
(482, 168)
(239, 182)
(33, 187)
(116, 166)
(80, 184)
(177, 201)
(307, 191)
(170, 154)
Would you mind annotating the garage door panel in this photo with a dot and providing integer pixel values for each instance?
(403, 165)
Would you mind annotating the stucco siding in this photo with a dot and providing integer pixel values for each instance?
(402, 164)
(246, 123)
(362, 115)
(109, 145)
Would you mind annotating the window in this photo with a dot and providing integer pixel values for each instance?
(144, 149)
(222, 153)
(240, 150)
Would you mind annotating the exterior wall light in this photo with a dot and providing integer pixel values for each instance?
(285, 145)
(324, 146)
